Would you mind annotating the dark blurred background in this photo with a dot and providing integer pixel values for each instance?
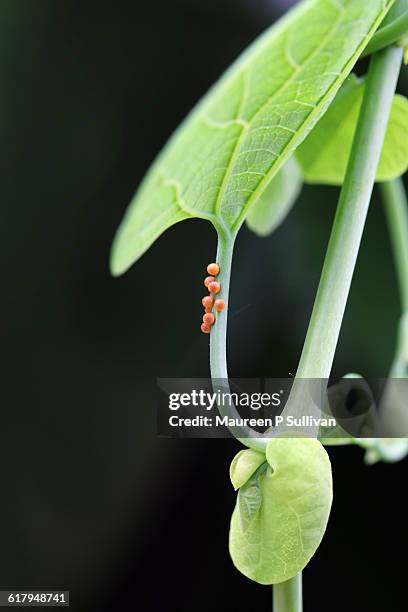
(92, 501)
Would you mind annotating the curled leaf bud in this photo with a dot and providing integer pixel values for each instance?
(214, 287)
(213, 269)
(208, 280)
(219, 305)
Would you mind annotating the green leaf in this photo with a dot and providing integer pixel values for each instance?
(222, 158)
(249, 503)
(244, 465)
(272, 207)
(277, 541)
(324, 155)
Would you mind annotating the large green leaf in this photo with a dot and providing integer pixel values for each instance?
(324, 155)
(282, 511)
(223, 156)
(272, 207)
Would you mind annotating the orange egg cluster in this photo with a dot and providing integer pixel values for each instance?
(209, 302)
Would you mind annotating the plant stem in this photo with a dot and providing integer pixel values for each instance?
(396, 208)
(287, 596)
(327, 316)
(388, 35)
(218, 341)
(331, 299)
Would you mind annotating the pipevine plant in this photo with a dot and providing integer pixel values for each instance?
(289, 111)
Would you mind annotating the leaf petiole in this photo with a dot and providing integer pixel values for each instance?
(287, 596)
(218, 340)
(394, 33)
(396, 209)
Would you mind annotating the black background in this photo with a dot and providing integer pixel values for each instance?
(91, 500)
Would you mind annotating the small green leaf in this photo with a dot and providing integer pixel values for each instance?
(249, 503)
(222, 158)
(244, 465)
(275, 203)
(284, 533)
(324, 155)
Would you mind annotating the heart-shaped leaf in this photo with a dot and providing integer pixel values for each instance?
(273, 540)
(324, 155)
(220, 161)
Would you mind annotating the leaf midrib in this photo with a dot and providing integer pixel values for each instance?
(246, 127)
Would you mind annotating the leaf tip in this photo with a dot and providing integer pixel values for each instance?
(119, 263)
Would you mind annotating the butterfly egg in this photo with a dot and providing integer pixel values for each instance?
(209, 318)
(213, 269)
(208, 280)
(207, 302)
(206, 329)
(219, 305)
(214, 287)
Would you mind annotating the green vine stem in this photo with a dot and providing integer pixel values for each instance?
(388, 35)
(218, 342)
(327, 316)
(396, 209)
(287, 596)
